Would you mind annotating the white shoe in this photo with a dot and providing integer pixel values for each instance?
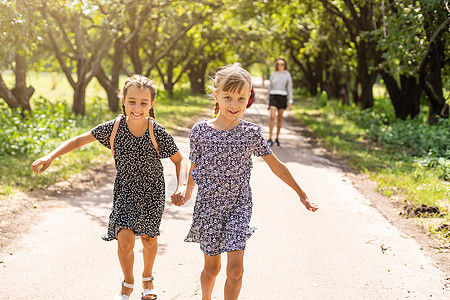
(153, 293)
(119, 296)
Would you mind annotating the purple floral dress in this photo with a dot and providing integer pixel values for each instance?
(223, 207)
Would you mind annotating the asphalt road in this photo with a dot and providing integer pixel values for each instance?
(346, 250)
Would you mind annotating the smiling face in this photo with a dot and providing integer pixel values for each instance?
(281, 65)
(137, 103)
(232, 104)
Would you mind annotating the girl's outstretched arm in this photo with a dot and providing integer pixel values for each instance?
(279, 169)
(66, 147)
(181, 169)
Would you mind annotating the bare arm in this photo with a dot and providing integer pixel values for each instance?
(185, 192)
(190, 183)
(279, 169)
(181, 169)
(66, 147)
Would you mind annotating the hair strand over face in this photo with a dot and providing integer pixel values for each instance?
(230, 78)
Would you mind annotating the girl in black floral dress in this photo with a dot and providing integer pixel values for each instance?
(139, 189)
(221, 150)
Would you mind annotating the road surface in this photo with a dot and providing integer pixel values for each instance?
(346, 250)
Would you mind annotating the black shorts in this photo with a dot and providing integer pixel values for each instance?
(279, 101)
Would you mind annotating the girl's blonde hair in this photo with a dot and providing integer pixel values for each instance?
(141, 82)
(230, 78)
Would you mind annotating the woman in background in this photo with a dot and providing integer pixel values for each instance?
(280, 97)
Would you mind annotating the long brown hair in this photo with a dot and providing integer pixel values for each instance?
(141, 82)
(276, 61)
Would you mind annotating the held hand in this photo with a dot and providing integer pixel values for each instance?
(289, 107)
(45, 162)
(178, 196)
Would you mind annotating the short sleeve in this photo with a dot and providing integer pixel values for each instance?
(194, 145)
(166, 143)
(261, 146)
(103, 132)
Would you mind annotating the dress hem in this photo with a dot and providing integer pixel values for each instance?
(107, 237)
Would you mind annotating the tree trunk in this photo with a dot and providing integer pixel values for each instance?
(344, 93)
(406, 97)
(20, 95)
(332, 84)
(354, 92)
(311, 76)
(196, 75)
(310, 71)
(79, 99)
(318, 78)
(436, 24)
(112, 85)
(432, 85)
(133, 53)
(365, 77)
(21, 92)
(169, 88)
(6, 94)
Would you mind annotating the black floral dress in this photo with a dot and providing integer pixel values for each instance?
(139, 188)
(223, 206)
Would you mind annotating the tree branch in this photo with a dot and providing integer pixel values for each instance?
(424, 61)
(348, 22)
(174, 42)
(57, 50)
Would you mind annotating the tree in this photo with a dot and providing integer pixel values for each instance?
(205, 48)
(19, 32)
(435, 58)
(163, 31)
(229, 35)
(361, 18)
(320, 48)
(80, 35)
(172, 67)
(412, 45)
(174, 64)
(126, 27)
(399, 41)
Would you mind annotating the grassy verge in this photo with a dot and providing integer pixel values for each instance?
(52, 123)
(401, 170)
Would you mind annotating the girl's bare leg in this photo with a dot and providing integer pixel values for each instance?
(149, 254)
(273, 111)
(279, 121)
(235, 270)
(209, 275)
(125, 243)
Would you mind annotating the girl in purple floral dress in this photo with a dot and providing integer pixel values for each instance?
(221, 163)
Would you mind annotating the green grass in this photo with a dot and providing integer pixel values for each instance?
(23, 141)
(395, 169)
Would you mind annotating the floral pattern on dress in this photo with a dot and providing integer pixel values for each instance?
(139, 188)
(223, 206)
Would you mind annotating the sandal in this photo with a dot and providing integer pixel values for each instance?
(120, 296)
(149, 294)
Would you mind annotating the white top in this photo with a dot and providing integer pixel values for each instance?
(281, 84)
